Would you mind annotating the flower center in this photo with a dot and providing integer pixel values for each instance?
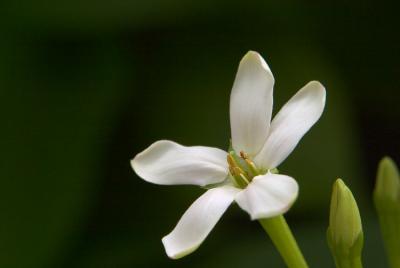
(242, 170)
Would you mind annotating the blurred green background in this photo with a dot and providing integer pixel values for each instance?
(85, 85)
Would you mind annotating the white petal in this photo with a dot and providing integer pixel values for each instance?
(166, 162)
(251, 104)
(268, 195)
(198, 221)
(294, 119)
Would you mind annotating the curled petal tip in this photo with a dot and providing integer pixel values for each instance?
(175, 255)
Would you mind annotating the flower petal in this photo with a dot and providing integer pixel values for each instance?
(294, 119)
(268, 195)
(198, 221)
(166, 162)
(251, 104)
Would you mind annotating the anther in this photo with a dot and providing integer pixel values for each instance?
(237, 171)
(244, 155)
(252, 167)
(231, 161)
(241, 174)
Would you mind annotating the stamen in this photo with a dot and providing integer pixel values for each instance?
(252, 167)
(231, 161)
(239, 175)
(244, 178)
(238, 171)
(243, 155)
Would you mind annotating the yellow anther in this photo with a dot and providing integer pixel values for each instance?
(237, 171)
(231, 170)
(241, 174)
(231, 161)
(244, 155)
(252, 167)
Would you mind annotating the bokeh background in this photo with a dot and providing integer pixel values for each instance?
(85, 85)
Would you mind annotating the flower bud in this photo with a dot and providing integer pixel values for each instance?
(345, 235)
(387, 203)
(387, 188)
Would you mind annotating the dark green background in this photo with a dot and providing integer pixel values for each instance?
(85, 85)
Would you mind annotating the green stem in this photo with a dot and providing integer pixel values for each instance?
(349, 263)
(283, 239)
(390, 226)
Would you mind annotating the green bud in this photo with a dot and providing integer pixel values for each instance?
(345, 234)
(387, 203)
(387, 188)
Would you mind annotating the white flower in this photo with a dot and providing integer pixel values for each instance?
(243, 175)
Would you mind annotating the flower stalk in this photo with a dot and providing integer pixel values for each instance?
(283, 239)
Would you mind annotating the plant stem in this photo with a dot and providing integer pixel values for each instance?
(349, 263)
(390, 229)
(283, 239)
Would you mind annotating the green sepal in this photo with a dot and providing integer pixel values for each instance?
(274, 171)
